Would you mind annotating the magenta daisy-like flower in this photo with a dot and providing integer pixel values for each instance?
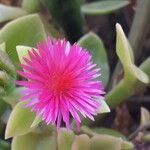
(61, 82)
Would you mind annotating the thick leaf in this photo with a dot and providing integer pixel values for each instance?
(109, 132)
(4, 145)
(104, 108)
(22, 51)
(13, 96)
(146, 138)
(3, 106)
(26, 30)
(145, 116)
(19, 121)
(81, 142)
(65, 139)
(33, 141)
(103, 7)
(125, 55)
(5, 62)
(105, 142)
(95, 45)
(8, 12)
(31, 6)
(36, 121)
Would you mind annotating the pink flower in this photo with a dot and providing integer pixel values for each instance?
(61, 82)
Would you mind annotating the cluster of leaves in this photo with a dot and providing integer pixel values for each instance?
(26, 29)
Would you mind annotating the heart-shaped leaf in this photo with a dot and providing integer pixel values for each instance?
(19, 121)
(95, 45)
(8, 12)
(27, 30)
(103, 7)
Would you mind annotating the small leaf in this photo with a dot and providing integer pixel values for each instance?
(8, 12)
(3, 106)
(3, 46)
(95, 45)
(145, 116)
(13, 96)
(36, 121)
(146, 138)
(109, 132)
(105, 142)
(31, 6)
(22, 51)
(19, 121)
(4, 145)
(126, 57)
(81, 142)
(27, 30)
(125, 145)
(104, 108)
(65, 139)
(103, 7)
(33, 141)
(5, 62)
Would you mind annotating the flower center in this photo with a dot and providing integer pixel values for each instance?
(60, 83)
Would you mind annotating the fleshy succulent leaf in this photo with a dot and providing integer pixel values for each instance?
(145, 116)
(103, 7)
(65, 139)
(81, 142)
(9, 12)
(125, 55)
(19, 121)
(33, 141)
(13, 35)
(95, 45)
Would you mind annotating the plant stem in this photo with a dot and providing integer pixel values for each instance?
(123, 91)
(139, 30)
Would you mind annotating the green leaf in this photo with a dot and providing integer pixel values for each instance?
(9, 13)
(146, 138)
(27, 30)
(19, 121)
(145, 116)
(4, 145)
(22, 51)
(81, 142)
(5, 62)
(105, 142)
(109, 132)
(13, 96)
(31, 6)
(3, 106)
(104, 108)
(95, 45)
(65, 139)
(33, 141)
(103, 7)
(125, 55)
(36, 121)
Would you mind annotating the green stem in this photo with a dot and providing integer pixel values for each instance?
(138, 33)
(123, 91)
